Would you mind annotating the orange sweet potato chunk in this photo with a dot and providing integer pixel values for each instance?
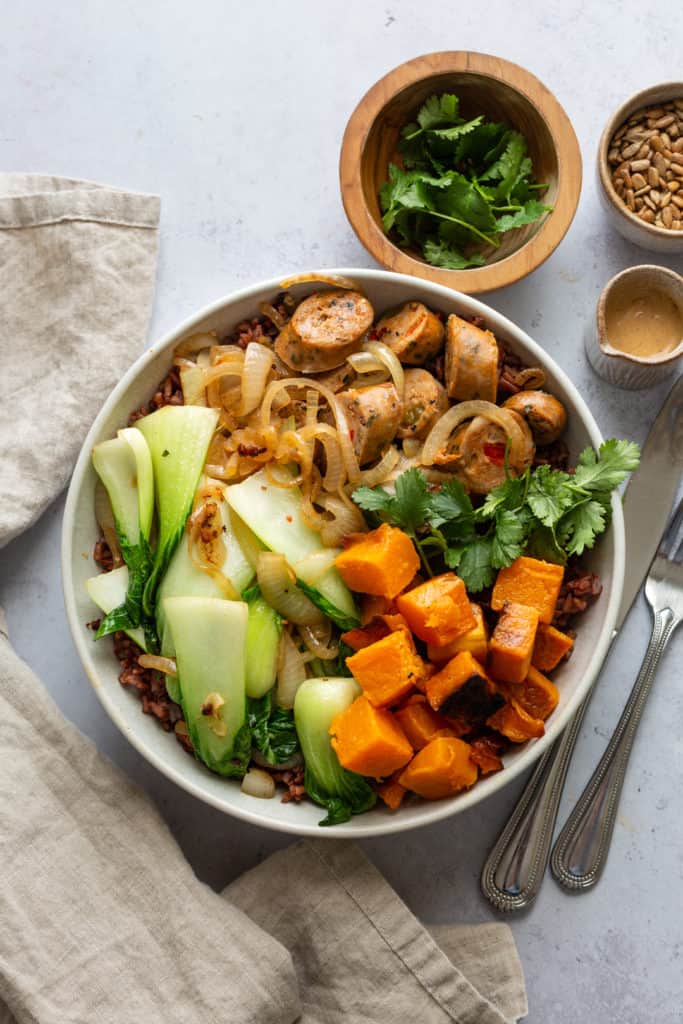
(463, 694)
(532, 582)
(514, 722)
(512, 642)
(381, 562)
(421, 723)
(475, 640)
(392, 792)
(537, 694)
(388, 670)
(550, 648)
(438, 611)
(440, 769)
(369, 740)
(485, 752)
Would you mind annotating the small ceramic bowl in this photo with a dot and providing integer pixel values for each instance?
(630, 226)
(485, 85)
(626, 370)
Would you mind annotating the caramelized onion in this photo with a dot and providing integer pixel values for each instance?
(278, 586)
(258, 783)
(318, 640)
(337, 280)
(291, 671)
(267, 309)
(384, 355)
(441, 431)
(378, 474)
(258, 361)
(159, 664)
(195, 343)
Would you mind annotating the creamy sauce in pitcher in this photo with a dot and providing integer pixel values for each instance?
(643, 323)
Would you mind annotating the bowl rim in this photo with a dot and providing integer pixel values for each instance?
(675, 284)
(642, 98)
(356, 829)
(536, 249)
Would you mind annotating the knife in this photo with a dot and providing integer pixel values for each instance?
(513, 871)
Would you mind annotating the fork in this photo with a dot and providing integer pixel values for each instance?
(581, 850)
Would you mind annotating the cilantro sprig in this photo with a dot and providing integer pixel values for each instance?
(463, 184)
(545, 512)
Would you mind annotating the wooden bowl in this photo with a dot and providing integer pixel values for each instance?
(485, 85)
(629, 226)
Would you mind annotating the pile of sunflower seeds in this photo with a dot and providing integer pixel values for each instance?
(646, 161)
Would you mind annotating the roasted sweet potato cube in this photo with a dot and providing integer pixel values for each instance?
(382, 562)
(391, 792)
(440, 769)
(387, 670)
(475, 640)
(532, 582)
(438, 611)
(514, 722)
(537, 695)
(369, 740)
(550, 648)
(512, 643)
(462, 692)
(370, 634)
(421, 723)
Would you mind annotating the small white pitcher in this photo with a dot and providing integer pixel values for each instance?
(623, 368)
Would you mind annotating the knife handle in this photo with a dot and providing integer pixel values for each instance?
(581, 850)
(513, 872)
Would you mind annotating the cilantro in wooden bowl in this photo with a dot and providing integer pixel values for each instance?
(462, 169)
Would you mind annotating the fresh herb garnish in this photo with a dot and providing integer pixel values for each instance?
(545, 512)
(463, 184)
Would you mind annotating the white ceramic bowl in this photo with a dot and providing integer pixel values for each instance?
(384, 289)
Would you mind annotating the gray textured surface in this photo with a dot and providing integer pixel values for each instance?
(234, 114)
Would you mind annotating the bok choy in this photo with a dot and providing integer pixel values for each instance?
(178, 437)
(341, 792)
(108, 591)
(209, 637)
(124, 465)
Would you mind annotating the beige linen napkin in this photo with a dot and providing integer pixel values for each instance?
(101, 918)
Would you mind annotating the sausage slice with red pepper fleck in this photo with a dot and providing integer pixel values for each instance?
(471, 365)
(476, 454)
(325, 328)
(414, 333)
(374, 414)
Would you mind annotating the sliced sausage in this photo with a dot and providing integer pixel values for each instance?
(414, 333)
(424, 400)
(471, 364)
(374, 414)
(324, 329)
(544, 413)
(476, 454)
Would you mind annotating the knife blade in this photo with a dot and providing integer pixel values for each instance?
(650, 493)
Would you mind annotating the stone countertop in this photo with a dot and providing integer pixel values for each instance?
(234, 115)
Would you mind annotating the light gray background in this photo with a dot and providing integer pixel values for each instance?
(233, 113)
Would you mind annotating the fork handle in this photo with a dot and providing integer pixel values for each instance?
(514, 869)
(581, 850)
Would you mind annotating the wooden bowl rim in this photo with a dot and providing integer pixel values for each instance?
(662, 93)
(568, 154)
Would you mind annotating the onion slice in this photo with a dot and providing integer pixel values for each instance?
(278, 587)
(378, 474)
(258, 361)
(159, 664)
(318, 640)
(384, 355)
(291, 671)
(457, 414)
(195, 342)
(258, 783)
(315, 565)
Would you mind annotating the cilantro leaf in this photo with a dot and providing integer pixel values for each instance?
(509, 495)
(579, 527)
(549, 495)
(373, 499)
(530, 212)
(475, 566)
(457, 130)
(509, 539)
(438, 110)
(606, 469)
(543, 544)
(412, 500)
(441, 254)
(451, 502)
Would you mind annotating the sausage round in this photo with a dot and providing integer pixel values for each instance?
(471, 364)
(324, 329)
(414, 333)
(476, 454)
(424, 400)
(374, 414)
(544, 413)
